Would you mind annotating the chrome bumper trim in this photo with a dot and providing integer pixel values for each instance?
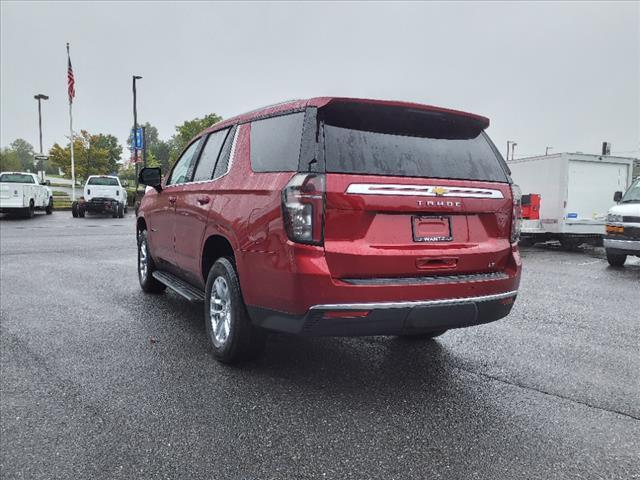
(423, 303)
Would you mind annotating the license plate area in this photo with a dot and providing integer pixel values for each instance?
(431, 228)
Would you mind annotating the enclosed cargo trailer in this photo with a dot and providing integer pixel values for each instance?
(576, 191)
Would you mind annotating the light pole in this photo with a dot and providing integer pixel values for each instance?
(513, 150)
(509, 142)
(135, 128)
(40, 97)
(546, 151)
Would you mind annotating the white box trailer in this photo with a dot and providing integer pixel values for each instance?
(576, 191)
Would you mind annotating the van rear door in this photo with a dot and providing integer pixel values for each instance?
(412, 193)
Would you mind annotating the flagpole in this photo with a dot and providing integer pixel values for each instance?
(73, 169)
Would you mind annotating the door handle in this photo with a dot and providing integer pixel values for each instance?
(203, 200)
(172, 199)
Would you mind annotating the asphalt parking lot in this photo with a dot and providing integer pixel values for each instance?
(99, 380)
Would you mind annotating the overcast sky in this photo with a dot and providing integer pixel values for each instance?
(565, 75)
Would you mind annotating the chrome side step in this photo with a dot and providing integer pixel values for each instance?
(179, 286)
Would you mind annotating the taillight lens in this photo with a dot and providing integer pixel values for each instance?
(516, 217)
(303, 208)
(88, 191)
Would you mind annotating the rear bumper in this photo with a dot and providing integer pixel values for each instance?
(388, 318)
(629, 247)
(100, 204)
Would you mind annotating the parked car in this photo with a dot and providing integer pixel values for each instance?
(334, 216)
(21, 193)
(623, 226)
(102, 194)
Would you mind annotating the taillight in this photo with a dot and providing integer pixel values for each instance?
(117, 193)
(303, 208)
(516, 216)
(88, 191)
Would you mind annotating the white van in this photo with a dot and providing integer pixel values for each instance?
(623, 226)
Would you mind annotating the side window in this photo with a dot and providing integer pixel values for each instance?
(275, 143)
(209, 155)
(181, 169)
(223, 162)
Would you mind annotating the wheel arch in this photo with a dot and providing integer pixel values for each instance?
(214, 247)
(141, 224)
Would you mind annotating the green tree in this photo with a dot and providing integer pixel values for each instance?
(24, 152)
(9, 160)
(113, 148)
(93, 155)
(188, 130)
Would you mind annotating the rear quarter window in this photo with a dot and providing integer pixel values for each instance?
(275, 143)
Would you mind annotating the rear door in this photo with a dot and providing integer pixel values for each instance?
(590, 189)
(194, 201)
(409, 200)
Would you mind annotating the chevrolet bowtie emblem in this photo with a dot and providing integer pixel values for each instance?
(439, 191)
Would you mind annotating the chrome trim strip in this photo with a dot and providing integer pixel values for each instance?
(424, 303)
(421, 190)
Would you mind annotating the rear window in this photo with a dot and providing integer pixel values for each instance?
(16, 178)
(275, 143)
(112, 182)
(373, 153)
(408, 142)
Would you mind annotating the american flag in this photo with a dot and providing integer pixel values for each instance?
(70, 78)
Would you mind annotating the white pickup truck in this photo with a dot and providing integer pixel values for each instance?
(22, 194)
(623, 226)
(102, 194)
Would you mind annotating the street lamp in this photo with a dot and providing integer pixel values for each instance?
(39, 98)
(546, 151)
(135, 128)
(513, 150)
(509, 142)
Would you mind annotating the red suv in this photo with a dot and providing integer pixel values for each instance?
(334, 216)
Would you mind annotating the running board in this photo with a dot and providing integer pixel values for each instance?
(179, 286)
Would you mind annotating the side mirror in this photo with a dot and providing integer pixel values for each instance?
(617, 197)
(152, 177)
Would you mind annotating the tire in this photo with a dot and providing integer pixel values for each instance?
(114, 212)
(74, 209)
(424, 336)
(81, 211)
(570, 244)
(616, 259)
(49, 209)
(232, 337)
(30, 211)
(126, 209)
(120, 211)
(145, 274)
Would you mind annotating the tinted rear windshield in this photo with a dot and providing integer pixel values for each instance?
(16, 178)
(409, 143)
(113, 182)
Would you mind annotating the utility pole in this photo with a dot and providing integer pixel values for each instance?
(135, 128)
(40, 97)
